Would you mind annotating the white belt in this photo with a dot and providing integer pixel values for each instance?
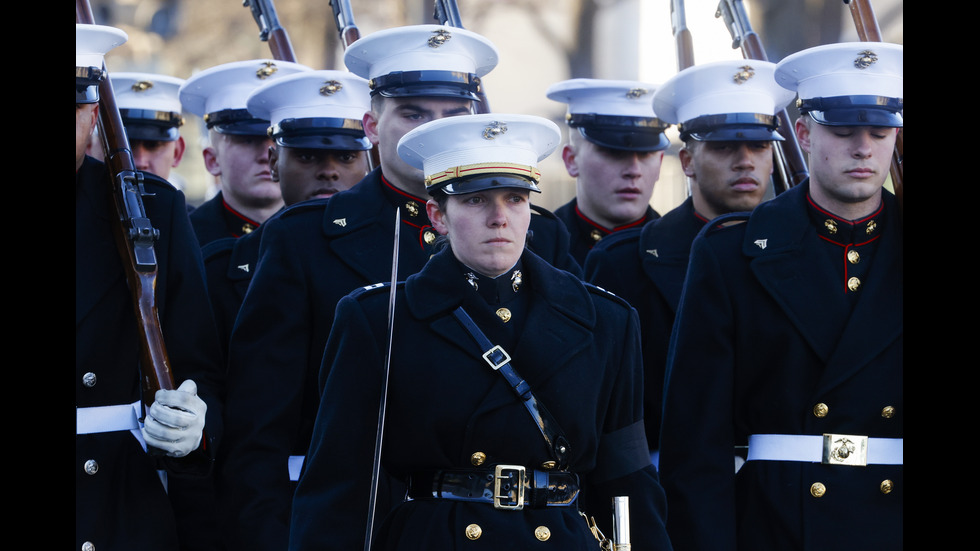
(93, 420)
(829, 449)
(295, 464)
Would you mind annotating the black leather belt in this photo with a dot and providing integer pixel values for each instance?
(508, 487)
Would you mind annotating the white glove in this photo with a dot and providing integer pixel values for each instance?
(175, 421)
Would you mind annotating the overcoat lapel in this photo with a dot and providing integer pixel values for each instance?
(97, 266)
(665, 251)
(347, 223)
(803, 285)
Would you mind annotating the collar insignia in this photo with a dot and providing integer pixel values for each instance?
(342, 222)
(761, 243)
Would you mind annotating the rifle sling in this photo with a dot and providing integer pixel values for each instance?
(499, 360)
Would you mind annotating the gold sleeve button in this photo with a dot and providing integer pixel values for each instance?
(820, 410)
(887, 486)
(478, 458)
(888, 412)
(542, 533)
(817, 489)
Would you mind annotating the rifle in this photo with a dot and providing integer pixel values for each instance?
(264, 12)
(446, 12)
(789, 156)
(134, 234)
(866, 24)
(349, 33)
(682, 35)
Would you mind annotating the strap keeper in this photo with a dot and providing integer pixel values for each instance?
(496, 357)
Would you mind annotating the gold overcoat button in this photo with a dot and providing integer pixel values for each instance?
(820, 410)
(887, 486)
(817, 489)
(478, 458)
(88, 546)
(542, 533)
(473, 531)
(89, 379)
(853, 256)
(503, 314)
(854, 284)
(888, 412)
(91, 466)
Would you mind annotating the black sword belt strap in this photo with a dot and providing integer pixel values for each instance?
(499, 360)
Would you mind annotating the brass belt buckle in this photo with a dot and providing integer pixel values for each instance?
(495, 365)
(499, 502)
(845, 449)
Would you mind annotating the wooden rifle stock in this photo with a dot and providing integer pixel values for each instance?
(866, 24)
(264, 12)
(683, 41)
(789, 156)
(446, 12)
(134, 235)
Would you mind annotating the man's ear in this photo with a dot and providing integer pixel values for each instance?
(178, 151)
(436, 216)
(802, 133)
(568, 156)
(370, 124)
(274, 163)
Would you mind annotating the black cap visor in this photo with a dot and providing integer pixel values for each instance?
(237, 122)
(439, 84)
(729, 127)
(624, 133)
(461, 186)
(855, 111)
(321, 133)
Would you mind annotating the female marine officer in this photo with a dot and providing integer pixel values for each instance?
(513, 402)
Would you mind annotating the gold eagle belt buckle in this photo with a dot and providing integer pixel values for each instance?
(845, 449)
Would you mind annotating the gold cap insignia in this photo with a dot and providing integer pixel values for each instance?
(745, 72)
(865, 59)
(493, 130)
(330, 88)
(637, 93)
(267, 70)
(142, 86)
(439, 38)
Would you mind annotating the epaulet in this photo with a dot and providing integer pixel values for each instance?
(218, 247)
(616, 239)
(370, 290)
(303, 206)
(543, 212)
(596, 290)
(724, 221)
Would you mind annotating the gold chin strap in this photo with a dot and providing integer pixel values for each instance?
(466, 171)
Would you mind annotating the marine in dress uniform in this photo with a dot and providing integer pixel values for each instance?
(456, 434)
(789, 337)
(247, 194)
(316, 252)
(725, 113)
(121, 499)
(151, 114)
(320, 148)
(614, 151)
